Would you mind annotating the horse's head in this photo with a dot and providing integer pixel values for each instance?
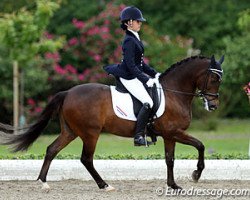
(209, 84)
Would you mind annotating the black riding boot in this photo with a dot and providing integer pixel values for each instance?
(142, 120)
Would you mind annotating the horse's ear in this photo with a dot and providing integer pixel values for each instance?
(221, 59)
(213, 62)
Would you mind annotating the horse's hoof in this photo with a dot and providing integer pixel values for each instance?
(175, 187)
(195, 176)
(45, 186)
(109, 188)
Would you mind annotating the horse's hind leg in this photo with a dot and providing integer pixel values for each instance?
(61, 141)
(87, 160)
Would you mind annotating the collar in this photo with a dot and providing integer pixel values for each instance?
(135, 33)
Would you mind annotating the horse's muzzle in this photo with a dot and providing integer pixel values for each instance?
(213, 104)
(212, 107)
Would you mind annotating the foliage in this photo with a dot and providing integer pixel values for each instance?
(22, 39)
(216, 28)
(10, 6)
(162, 51)
(97, 42)
(172, 29)
(22, 32)
(243, 21)
(207, 22)
(61, 23)
(237, 70)
(155, 156)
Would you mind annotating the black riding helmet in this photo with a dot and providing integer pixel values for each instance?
(131, 12)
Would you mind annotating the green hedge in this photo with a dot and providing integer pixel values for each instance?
(215, 156)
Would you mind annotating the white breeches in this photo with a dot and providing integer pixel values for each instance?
(137, 89)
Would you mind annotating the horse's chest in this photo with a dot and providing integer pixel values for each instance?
(176, 120)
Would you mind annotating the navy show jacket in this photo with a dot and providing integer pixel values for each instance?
(132, 65)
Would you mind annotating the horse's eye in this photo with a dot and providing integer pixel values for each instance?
(215, 78)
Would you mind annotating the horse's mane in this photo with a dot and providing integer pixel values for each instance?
(173, 66)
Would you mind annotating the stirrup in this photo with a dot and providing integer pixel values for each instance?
(142, 141)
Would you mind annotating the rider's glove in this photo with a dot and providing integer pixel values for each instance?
(157, 75)
(151, 82)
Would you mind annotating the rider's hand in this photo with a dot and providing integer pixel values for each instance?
(157, 75)
(150, 82)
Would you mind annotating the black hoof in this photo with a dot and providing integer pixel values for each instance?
(102, 185)
(175, 187)
(196, 175)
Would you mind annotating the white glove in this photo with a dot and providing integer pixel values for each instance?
(157, 75)
(151, 82)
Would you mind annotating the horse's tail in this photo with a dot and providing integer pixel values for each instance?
(22, 142)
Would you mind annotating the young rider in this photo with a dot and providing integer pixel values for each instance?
(133, 73)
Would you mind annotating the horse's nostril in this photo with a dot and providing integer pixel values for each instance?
(213, 107)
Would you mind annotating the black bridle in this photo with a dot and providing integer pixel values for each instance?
(202, 93)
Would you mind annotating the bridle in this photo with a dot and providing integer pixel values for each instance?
(213, 68)
(202, 93)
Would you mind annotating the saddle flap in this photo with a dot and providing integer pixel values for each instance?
(127, 107)
(137, 105)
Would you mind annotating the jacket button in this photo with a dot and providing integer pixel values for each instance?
(141, 64)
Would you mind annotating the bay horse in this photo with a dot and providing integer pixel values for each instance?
(86, 110)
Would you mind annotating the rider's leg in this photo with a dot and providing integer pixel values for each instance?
(142, 120)
(137, 89)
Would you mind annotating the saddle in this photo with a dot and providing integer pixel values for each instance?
(137, 105)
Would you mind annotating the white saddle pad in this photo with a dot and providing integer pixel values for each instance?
(123, 104)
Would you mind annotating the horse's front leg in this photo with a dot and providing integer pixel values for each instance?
(184, 138)
(169, 158)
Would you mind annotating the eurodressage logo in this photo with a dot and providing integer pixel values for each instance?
(219, 193)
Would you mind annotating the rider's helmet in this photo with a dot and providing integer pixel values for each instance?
(131, 12)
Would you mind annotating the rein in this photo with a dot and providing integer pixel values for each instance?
(202, 93)
(197, 94)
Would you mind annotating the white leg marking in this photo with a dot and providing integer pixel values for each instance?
(45, 186)
(109, 188)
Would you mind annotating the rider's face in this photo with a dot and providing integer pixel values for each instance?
(135, 25)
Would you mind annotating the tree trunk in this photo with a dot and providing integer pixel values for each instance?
(16, 94)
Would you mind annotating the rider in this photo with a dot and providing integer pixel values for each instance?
(133, 73)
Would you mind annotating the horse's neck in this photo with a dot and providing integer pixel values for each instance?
(183, 78)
